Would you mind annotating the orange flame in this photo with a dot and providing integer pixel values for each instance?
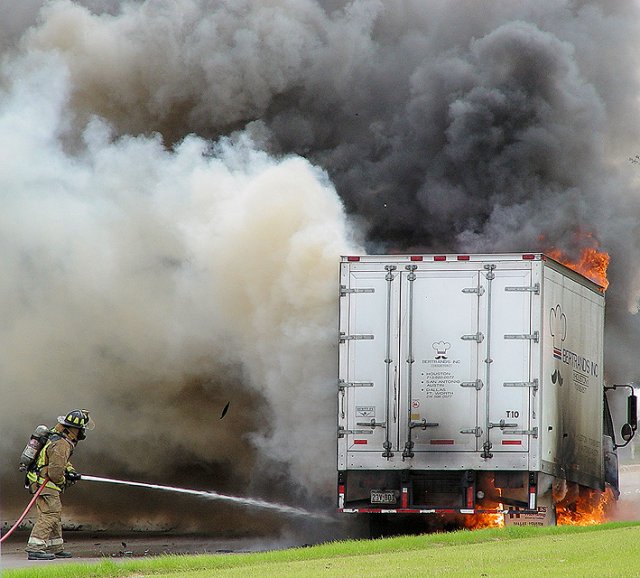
(592, 507)
(593, 264)
(492, 500)
(479, 521)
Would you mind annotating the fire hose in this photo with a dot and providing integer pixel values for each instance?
(26, 511)
(242, 501)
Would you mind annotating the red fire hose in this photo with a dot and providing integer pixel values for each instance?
(26, 511)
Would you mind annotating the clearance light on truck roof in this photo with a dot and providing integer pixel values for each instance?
(463, 257)
(353, 258)
(416, 257)
(440, 258)
(528, 256)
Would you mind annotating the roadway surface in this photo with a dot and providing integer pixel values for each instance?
(94, 547)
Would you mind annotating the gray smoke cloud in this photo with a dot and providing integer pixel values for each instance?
(171, 227)
(153, 285)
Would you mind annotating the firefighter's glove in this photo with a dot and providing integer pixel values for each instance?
(71, 477)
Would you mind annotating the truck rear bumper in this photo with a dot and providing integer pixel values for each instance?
(432, 511)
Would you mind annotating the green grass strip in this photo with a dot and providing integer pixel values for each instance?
(605, 550)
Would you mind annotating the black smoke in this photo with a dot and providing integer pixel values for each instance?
(444, 126)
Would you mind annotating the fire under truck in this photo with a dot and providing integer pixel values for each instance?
(472, 384)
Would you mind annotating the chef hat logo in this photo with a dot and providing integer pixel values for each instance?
(558, 324)
(441, 348)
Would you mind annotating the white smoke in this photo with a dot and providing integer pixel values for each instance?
(159, 274)
(129, 267)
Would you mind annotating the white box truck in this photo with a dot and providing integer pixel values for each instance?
(471, 384)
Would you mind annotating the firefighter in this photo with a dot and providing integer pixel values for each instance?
(52, 463)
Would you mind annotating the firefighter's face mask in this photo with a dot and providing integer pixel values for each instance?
(90, 425)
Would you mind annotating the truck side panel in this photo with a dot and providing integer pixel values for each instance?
(573, 321)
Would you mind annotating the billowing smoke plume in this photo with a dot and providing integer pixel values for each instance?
(153, 286)
(170, 228)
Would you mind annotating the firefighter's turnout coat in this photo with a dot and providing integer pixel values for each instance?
(52, 463)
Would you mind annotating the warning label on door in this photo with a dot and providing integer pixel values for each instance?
(365, 411)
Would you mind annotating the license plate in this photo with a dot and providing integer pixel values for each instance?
(383, 497)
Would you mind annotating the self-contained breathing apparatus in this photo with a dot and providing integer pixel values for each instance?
(38, 439)
(77, 418)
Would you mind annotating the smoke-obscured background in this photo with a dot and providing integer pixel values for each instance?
(179, 178)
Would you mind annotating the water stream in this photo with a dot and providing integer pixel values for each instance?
(247, 502)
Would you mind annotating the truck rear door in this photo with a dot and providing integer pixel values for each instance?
(434, 357)
(441, 345)
(505, 405)
(467, 336)
(369, 337)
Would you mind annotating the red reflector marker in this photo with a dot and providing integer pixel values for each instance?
(511, 442)
(463, 257)
(353, 258)
(440, 258)
(528, 257)
(416, 257)
(360, 442)
(470, 497)
(442, 442)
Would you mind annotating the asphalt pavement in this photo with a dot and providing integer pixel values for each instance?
(96, 546)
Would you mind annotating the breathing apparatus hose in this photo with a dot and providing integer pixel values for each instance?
(26, 511)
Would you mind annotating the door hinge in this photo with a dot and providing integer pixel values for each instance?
(479, 337)
(525, 432)
(423, 423)
(501, 424)
(344, 337)
(478, 290)
(373, 423)
(535, 336)
(361, 432)
(344, 384)
(344, 291)
(532, 384)
(477, 384)
(533, 289)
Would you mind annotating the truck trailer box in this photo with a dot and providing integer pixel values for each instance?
(458, 372)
